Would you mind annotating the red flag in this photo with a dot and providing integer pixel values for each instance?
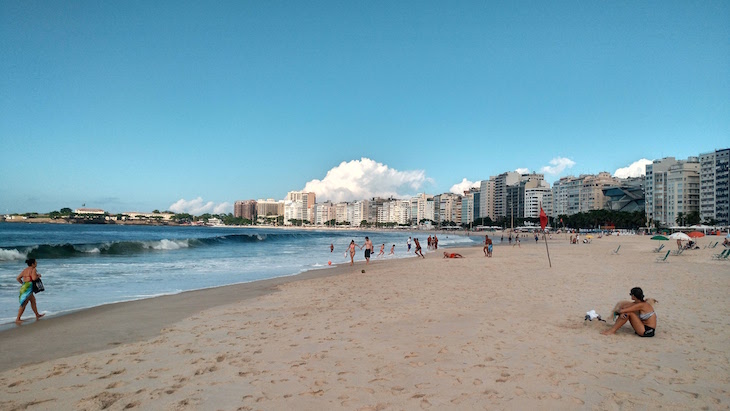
(543, 219)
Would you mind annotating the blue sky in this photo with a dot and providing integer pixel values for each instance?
(135, 106)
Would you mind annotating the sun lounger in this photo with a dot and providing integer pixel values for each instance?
(722, 256)
(678, 252)
(658, 249)
(616, 250)
(663, 259)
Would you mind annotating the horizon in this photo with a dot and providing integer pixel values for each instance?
(195, 106)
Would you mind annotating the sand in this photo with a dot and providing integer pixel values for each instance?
(472, 333)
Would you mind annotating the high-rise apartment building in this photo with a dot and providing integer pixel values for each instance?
(591, 191)
(714, 200)
(270, 207)
(245, 209)
(324, 213)
(672, 187)
(501, 182)
(487, 199)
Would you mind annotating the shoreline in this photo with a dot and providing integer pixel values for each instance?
(134, 320)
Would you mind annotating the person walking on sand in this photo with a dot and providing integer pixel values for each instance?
(352, 251)
(639, 313)
(392, 250)
(489, 247)
(409, 244)
(486, 244)
(418, 248)
(368, 249)
(26, 278)
(382, 250)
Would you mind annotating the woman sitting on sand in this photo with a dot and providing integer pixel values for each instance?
(639, 312)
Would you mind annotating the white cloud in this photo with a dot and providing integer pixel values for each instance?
(636, 169)
(465, 184)
(558, 165)
(365, 178)
(198, 207)
(523, 170)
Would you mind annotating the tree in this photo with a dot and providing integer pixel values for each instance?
(680, 218)
(693, 218)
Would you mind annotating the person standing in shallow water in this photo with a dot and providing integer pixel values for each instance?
(26, 278)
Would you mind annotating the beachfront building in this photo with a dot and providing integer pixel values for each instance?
(395, 211)
(467, 207)
(487, 199)
(136, 215)
(714, 190)
(93, 211)
(294, 211)
(245, 209)
(683, 190)
(269, 207)
(501, 183)
(672, 187)
(591, 195)
(566, 195)
(324, 213)
(341, 213)
(449, 206)
(537, 195)
(422, 208)
(308, 200)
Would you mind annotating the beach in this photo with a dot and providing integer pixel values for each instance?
(506, 332)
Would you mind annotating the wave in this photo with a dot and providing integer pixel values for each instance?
(50, 251)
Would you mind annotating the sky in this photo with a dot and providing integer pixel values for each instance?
(190, 106)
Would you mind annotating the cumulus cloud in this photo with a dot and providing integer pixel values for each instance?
(197, 207)
(636, 169)
(558, 165)
(465, 184)
(365, 178)
(523, 170)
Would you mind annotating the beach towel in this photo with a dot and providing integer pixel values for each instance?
(26, 290)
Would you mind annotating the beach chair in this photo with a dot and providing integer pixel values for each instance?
(716, 243)
(722, 256)
(616, 250)
(678, 252)
(658, 249)
(663, 259)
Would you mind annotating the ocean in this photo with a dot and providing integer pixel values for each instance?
(84, 266)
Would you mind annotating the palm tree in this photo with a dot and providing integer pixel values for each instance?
(680, 218)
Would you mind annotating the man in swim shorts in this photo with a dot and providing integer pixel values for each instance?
(368, 249)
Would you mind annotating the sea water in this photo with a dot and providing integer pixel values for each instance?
(84, 266)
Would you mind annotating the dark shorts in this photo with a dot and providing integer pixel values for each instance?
(367, 253)
(648, 332)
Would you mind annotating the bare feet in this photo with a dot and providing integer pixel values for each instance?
(18, 322)
(607, 332)
(38, 317)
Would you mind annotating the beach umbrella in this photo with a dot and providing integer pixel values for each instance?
(659, 237)
(696, 234)
(589, 236)
(679, 236)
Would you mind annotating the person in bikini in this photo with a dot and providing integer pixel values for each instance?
(639, 313)
(26, 278)
(453, 255)
(352, 251)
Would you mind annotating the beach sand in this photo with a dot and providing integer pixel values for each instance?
(506, 332)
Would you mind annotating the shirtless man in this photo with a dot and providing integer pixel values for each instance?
(418, 248)
(368, 249)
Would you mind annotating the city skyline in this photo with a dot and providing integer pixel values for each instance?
(136, 107)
